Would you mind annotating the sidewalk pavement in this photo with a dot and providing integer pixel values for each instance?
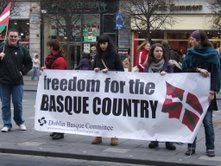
(79, 147)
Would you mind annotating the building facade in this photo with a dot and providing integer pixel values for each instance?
(37, 24)
(188, 16)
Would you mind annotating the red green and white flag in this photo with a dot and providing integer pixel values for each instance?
(4, 17)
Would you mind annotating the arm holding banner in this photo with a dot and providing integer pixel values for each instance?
(204, 59)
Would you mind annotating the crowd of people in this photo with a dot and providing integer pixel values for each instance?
(15, 61)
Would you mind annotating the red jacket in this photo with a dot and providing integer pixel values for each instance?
(60, 63)
(141, 58)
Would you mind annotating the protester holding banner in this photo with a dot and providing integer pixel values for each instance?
(15, 61)
(106, 59)
(142, 56)
(55, 60)
(85, 62)
(158, 63)
(203, 58)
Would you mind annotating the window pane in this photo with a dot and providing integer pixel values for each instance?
(91, 27)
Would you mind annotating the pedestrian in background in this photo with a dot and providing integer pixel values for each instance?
(15, 61)
(55, 60)
(106, 59)
(158, 63)
(203, 58)
(173, 56)
(36, 64)
(85, 62)
(142, 55)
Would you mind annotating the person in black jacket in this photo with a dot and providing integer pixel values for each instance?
(15, 61)
(106, 60)
(203, 58)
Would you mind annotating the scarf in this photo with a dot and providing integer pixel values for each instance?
(155, 67)
(51, 58)
(197, 56)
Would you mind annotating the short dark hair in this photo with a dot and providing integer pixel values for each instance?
(13, 30)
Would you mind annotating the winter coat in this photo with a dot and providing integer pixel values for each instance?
(111, 60)
(56, 61)
(84, 64)
(17, 62)
(205, 58)
(141, 58)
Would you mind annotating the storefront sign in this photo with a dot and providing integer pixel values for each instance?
(174, 7)
(177, 8)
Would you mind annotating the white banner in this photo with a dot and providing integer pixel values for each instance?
(142, 106)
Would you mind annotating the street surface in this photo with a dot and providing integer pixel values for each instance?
(26, 160)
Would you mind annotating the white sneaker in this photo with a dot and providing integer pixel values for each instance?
(22, 127)
(5, 129)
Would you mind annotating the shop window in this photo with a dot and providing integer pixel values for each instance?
(91, 27)
(178, 35)
(63, 29)
(109, 23)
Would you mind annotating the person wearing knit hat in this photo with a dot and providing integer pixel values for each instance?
(203, 58)
(196, 34)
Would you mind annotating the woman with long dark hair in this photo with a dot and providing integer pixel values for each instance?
(106, 59)
(203, 58)
(158, 63)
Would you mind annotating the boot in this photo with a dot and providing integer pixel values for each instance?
(97, 140)
(153, 144)
(190, 151)
(58, 136)
(170, 146)
(52, 134)
(114, 141)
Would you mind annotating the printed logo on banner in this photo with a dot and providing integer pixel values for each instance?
(182, 105)
(42, 121)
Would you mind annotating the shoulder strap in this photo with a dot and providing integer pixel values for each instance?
(104, 64)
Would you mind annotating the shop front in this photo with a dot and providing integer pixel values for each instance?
(79, 34)
(187, 18)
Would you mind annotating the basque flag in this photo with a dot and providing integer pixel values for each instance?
(182, 105)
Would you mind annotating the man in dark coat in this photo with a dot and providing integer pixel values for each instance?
(15, 61)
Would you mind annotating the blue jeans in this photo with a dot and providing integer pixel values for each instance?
(209, 131)
(35, 73)
(16, 93)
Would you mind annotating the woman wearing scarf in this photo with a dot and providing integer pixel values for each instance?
(106, 59)
(55, 60)
(158, 63)
(203, 58)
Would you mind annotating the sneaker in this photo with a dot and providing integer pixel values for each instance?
(97, 140)
(5, 129)
(190, 151)
(22, 127)
(153, 144)
(210, 153)
(114, 141)
(170, 146)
